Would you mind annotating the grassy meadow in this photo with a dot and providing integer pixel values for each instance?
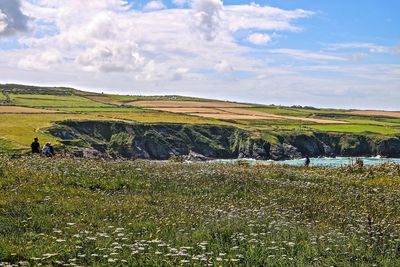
(141, 213)
(36, 100)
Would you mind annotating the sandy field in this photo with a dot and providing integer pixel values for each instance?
(393, 114)
(234, 113)
(192, 110)
(186, 104)
(231, 116)
(14, 109)
(263, 114)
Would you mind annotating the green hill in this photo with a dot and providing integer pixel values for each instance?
(28, 111)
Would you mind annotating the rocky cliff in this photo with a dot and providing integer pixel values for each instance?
(161, 141)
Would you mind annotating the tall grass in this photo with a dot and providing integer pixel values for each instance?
(141, 213)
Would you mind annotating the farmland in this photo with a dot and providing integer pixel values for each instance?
(143, 213)
(186, 104)
(377, 113)
(53, 101)
(23, 110)
(30, 111)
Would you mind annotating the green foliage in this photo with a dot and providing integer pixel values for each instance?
(356, 128)
(141, 213)
(121, 139)
(34, 100)
(270, 138)
(131, 98)
(27, 89)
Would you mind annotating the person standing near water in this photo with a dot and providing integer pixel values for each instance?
(35, 146)
(307, 162)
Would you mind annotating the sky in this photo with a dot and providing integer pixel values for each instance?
(341, 54)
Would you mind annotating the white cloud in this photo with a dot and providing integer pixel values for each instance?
(307, 55)
(109, 36)
(3, 21)
(112, 57)
(179, 73)
(207, 17)
(40, 60)
(223, 66)
(262, 17)
(154, 5)
(180, 51)
(259, 38)
(373, 48)
(12, 20)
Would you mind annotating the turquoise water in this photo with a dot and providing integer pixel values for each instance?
(340, 161)
(332, 162)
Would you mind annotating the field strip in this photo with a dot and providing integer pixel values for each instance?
(192, 110)
(269, 115)
(16, 109)
(232, 116)
(238, 114)
(186, 104)
(102, 99)
(393, 114)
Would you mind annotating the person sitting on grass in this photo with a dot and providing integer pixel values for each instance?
(48, 150)
(35, 146)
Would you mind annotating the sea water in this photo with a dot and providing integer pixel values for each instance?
(331, 162)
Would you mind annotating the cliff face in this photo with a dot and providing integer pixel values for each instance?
(161, 141)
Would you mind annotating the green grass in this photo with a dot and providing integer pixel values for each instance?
(20, 129)
(299, 112)
(128, 98)
(96, 213)
(373, 121)
(356, 128)
(53, 101)
(162, 117)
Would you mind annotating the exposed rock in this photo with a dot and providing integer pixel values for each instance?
(389, 148)
(284, 151)
(90, 153)
(307, 145)
(193, 156)
(201, 142)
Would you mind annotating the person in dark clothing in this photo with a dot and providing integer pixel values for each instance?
(35, 146)
(307, 162)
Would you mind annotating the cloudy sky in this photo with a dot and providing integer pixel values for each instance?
(323, 53)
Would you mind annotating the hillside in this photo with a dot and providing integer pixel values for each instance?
(28, 111)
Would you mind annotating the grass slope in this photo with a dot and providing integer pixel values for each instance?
(53, 101)
(16, 131)
(61, 211)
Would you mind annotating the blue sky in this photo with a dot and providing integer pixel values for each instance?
(323, 53)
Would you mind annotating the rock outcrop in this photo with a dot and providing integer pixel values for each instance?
(200, 142)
